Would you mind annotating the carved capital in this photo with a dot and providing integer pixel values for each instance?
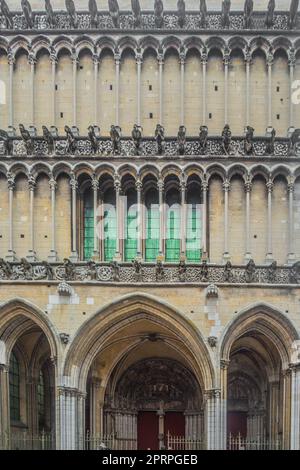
(292, 57)
(291, 184)
(73, 183)
(52, 183)
(138, 185)
(31, 59)
(226, 186)
(270, 186)
(160, 59)
(31, 182)
(10, 181)
(248, 184)
(10, 58)
(117, 182)
(95, 184)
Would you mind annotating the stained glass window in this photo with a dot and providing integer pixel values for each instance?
(14, 388)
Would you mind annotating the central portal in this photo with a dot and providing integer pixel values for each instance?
(156, 403)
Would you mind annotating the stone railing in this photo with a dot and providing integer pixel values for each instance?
(128, 273)
(16, 147)
(192, 21)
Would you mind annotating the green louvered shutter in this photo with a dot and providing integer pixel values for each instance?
(193, 234)
(88, 243)
(152, 233)
(173, 234)
(110, 228)
(131, 233)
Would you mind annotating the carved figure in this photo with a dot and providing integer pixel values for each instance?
(204, 270)
(114, 12)
(293, 14)
(27, 139)
(227, 272)
(295, 273)
(294, 143)
(70, 7)
(137, 266)
(92, 272)
(226, 139)
(6, 268)
(226, 4)
(49, 270)
(6, 13)
(272, 271)
(136, 13)
(270, 14)
(93, 139)
(26, 268)
(69, 269)
(116, 270)
(248, 12)
(115, 135)
(248, 143)
(250, 271)
(137, 138)
(48, 138)
(158, 13)
(7, 141)
(27, 12)
(182, 270)
(181, 12)
(203, 13)
(270, 143)
(93, 10)
(181, 140)
(203, 136)
(160, 138)
(50, 13)
(71, 141)
(159, 270)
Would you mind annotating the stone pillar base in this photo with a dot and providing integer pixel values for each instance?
(118, 257)
(74, 257)
(52, 258)
(226, 257)
(291, 259)
(11, 256)
(247, 257)
(31, 256)
(269, 258)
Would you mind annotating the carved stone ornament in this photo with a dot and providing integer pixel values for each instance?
(212, 291)
(64, 289)
(64, 337)
(212, 341)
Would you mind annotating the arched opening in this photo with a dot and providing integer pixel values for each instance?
(173, 219)
(109, 236)
(28, 414)
(144, 379)
(131, 220)
(258, 392)
(152, 216)
(193, 220)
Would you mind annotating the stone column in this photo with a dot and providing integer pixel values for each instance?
(4, 406)
(139, 61)
(11, 62)
(11, 255)
(74, 186)
(223, 403)
(212, 419)
(295, 407)
(182, 62)
(292, 63)
(31, 256)
(160, 59)
(270, 60)
(204, 218)
(160, 185)
(139, 185)
(226, 62)
(248, 187)
(270, 186)
(94, 407)
(274, 403)
(117, 185)
(32, 61)
(204, 65)
(117, 85)
(248, 63)
(95, 186)
(291, 188)
(53, 59)
(286, 408)
(161, 427)
(183, 218)
(53, 254)
(75, 62)
(226, 187)
(71, 429)
(32, 405)
(96, 94)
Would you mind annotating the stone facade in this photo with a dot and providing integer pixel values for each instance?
(90, 344)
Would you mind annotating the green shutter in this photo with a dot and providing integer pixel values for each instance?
(110, 228)
(173, 234)
(193, 234)
(131, 234)
(152, 233)
(88, 242)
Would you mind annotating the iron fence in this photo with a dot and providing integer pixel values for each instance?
(239, 442)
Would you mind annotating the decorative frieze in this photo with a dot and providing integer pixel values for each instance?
(157, 20)
(148, 273)
(106, 147)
